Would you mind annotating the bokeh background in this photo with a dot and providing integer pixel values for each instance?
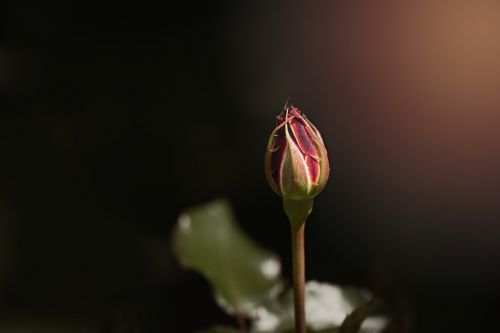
(117, 116)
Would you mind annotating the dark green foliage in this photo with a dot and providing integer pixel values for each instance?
(246, 279)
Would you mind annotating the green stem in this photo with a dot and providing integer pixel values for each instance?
(299, 278)
(297, 212)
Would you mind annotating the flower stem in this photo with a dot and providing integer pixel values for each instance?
(299, 278)
(297, 212)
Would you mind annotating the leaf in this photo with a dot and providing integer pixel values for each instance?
(221, 329)
(208, 240)
(327, 306)
(353, 321)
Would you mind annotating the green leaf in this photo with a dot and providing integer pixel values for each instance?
(353, 322)
(327, 306)
(207, 239)
(221, 329)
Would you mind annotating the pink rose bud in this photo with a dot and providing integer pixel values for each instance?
(296, 160)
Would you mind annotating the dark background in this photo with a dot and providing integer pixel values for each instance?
(117, 116)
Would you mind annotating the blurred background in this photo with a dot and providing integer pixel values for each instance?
(117, 116)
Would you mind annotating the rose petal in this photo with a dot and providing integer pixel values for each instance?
(303, 138)
(279, 146)
(313, 168)
(294, 174)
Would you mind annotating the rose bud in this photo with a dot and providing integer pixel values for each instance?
(296, 160)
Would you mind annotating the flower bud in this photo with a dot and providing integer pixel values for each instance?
(296, 160)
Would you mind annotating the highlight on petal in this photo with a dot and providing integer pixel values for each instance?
(313, 168)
